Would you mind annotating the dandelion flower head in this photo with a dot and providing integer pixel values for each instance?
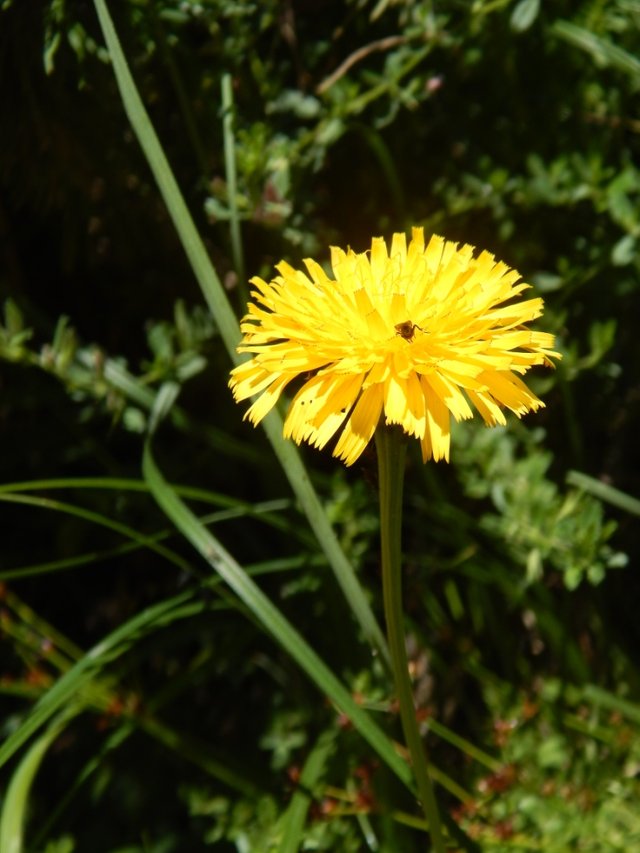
(415, 334)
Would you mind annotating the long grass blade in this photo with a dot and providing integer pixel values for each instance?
(604, 492)
(102, 521)
(232, 188)
(71, 685)
(93, 557)
(269, 616)
(218, 303)
(16, 800)
(604, 699)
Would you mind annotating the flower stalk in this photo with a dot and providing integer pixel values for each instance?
(395, 342)
(391, 447)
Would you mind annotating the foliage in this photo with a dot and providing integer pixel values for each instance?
(150, 706)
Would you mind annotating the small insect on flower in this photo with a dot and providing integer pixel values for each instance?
(407, 330)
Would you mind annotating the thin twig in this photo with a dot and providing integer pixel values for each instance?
(357, 56)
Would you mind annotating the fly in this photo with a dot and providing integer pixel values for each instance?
(407, 330)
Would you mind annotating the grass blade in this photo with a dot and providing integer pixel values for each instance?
(218, 303)
(101, 520)
(293, 820)
(71, 685)
(604, 492)
(269, 616)
(601, 50)
(16, 800)
(232, 189)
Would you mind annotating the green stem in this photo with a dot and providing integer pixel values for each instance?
(391, 448)
(232, 187)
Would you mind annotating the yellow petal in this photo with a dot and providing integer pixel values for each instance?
(360, 427)
(491, 413)
(511, 392)
(438, 421)
(263, 405)
(451, 395)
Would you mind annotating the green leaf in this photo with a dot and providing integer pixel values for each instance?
(524, 15)
(624, 251)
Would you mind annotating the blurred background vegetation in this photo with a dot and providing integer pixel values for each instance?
(509, 124)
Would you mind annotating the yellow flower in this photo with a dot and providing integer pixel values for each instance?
(418, 333)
